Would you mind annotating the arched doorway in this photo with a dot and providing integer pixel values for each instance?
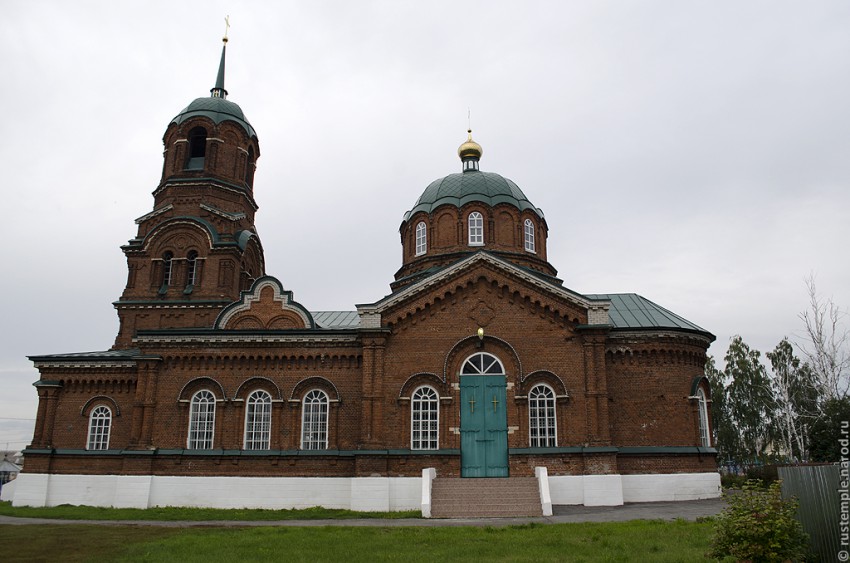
(483, 417)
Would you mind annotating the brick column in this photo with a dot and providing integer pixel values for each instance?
(372, 390)
(47, 394)
(366, 391)
(596, 386)
(150, 367)
(377, 399)
(52, 400)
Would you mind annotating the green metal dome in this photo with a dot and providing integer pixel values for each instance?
(471, 185)
(217, 109)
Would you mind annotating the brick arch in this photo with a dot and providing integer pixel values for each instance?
(201, 383)
(547, 377)
(245, 322)
(469, 345)
(268, 303)
(505, 224)
(157, 240)
(445, 228)
(255, 383)
(419, 379)
(100, 399)
(315, 382)
(698, 382)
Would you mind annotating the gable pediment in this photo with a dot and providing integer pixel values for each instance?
(266, 306)
(570, 305)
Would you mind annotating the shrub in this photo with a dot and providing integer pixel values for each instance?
(732, 481)
(764, 473)
(758, 526)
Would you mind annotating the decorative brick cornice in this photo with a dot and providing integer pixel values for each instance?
(234, 337)
(85, 364)
(170, 304)
(154, 213)
(370, 314)
(220, 213)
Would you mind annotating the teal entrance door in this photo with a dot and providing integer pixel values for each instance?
(483, 426)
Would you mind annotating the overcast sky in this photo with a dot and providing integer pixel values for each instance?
(696, 153)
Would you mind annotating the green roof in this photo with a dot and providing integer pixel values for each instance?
(632, 311)
(472, 185)
(336, 319)
(105, 355)
(217, 109)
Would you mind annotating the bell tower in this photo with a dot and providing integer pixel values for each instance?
(198, 248)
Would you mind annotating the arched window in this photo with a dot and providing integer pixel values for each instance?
(100, 423)
(191, 267)
(542, 422)
(421, 239)
(704, 434)
(197, 149)
(482, 363)
(476, 229)
(424, 419)
(167, 263)
(529, 235)
(201, 421)
(258, 421)
(314, 421)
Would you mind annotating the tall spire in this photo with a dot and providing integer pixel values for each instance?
(218, 90)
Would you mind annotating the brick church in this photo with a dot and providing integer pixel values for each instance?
(221, 389)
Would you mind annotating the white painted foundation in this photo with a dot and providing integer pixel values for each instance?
(614, 490)
(354, 493)
(7, 493)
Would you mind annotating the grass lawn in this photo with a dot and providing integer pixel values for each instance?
(170, 513)
(638, 540)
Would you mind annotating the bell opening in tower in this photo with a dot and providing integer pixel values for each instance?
(197, 149)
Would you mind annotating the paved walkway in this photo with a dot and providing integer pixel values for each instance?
(688, 510)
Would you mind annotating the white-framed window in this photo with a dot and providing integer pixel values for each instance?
(482, 363)
(191, 267)
(100, 424)
(314, 421)
(201, 421)
(421, 238)
(424, 419)
(542, 422)
(258, 421)
(528, 229)
(167, 263)
(476, 229)
(704, 434)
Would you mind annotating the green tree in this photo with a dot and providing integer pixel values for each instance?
(795, 395)
(725, 436)
(831, 431)
(749, 399)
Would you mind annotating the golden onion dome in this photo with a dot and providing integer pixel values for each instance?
(470, 149)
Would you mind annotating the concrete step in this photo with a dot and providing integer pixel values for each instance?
(485, 497)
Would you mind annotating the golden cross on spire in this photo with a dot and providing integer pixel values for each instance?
(226, 28)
